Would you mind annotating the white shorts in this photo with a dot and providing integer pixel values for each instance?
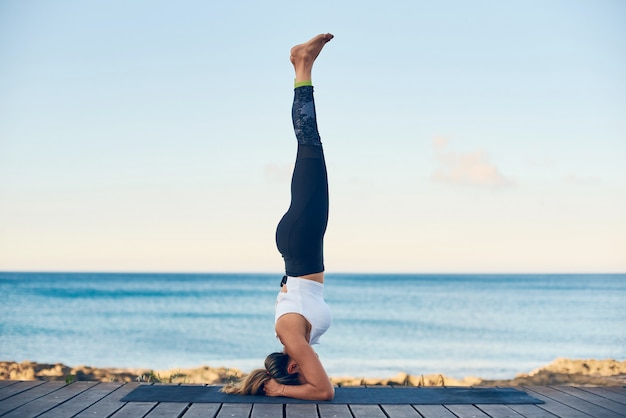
(305, 297)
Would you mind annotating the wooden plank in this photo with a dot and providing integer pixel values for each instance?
(334, 411)
(82, 401)
(553, 406)
(367, 411)
(466, 411)
(235, 410)
(110, 403)
(134, 409)
(607, 393)
(620, 388)
(266, 410)
(616, 389)
(433, 411)
(4, 383)
(576, 403)
(531, 411)
(17, 387)
(294, 410)
(51, 400)
(168, 410)
(202, 410)
(498, 411)
(27, 396)
(400, 411)
(594, 399)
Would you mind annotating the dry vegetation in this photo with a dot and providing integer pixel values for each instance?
(559, 372)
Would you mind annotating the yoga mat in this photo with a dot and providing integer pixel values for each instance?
(352, 395)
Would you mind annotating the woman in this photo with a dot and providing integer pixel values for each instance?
(302, 316)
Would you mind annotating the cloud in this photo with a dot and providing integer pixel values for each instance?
(470, 168)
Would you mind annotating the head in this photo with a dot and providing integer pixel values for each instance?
(278, 366)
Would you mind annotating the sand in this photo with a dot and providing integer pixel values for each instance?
(560, 372)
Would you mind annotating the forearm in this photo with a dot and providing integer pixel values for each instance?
(309, 392)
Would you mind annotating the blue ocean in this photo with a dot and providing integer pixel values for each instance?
(491, 326)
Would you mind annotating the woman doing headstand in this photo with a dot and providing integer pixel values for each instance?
(301, 316)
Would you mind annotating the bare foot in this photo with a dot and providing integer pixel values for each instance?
(303, 56)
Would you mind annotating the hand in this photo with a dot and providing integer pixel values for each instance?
(273, 388)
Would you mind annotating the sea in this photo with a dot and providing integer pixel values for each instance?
(492, 326)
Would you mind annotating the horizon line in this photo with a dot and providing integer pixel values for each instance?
(346, 272)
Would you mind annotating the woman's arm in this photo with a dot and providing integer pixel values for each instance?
(292, 330)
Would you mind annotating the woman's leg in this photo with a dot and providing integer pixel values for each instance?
(300, 233)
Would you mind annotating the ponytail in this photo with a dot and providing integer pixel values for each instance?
(252, 384)
(275, 368)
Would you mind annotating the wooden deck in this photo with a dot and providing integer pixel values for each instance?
(92, 399)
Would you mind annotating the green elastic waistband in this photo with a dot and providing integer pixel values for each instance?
(302, 84)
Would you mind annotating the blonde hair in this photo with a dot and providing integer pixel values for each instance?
(275, 368)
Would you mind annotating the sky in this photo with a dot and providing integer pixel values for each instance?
(460, 137)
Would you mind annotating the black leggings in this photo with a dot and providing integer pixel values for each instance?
(300, 232)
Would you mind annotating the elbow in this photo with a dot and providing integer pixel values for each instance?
(327, 394)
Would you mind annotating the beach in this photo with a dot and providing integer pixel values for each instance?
(562, 371)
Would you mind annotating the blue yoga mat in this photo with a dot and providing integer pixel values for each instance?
(351, 395)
